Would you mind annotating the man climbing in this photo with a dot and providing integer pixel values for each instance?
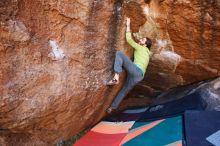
(135, 70)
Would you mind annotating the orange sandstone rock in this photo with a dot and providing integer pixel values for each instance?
(51, 91)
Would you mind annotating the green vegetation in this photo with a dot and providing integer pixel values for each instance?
(71, 141)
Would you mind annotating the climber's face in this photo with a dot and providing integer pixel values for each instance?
(142, 41)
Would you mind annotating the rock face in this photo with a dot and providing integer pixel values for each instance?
(55, 59)
(56, 56)
(186, 41)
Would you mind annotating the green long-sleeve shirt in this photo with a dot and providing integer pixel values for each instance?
(141, 53)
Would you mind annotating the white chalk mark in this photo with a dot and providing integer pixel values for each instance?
(56, 53)
(146, 11)
(161, 43)
(171, 56)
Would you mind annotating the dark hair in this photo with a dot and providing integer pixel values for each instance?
(147, 1)
(148, 42)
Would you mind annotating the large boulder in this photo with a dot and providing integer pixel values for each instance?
(55, 59)
(56, 56)
(186, 41)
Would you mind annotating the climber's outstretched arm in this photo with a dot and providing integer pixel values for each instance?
(129, 39)
(128, 23)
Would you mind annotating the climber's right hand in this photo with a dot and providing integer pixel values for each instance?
(128, 22)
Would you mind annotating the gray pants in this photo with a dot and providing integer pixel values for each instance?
(134, 75)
